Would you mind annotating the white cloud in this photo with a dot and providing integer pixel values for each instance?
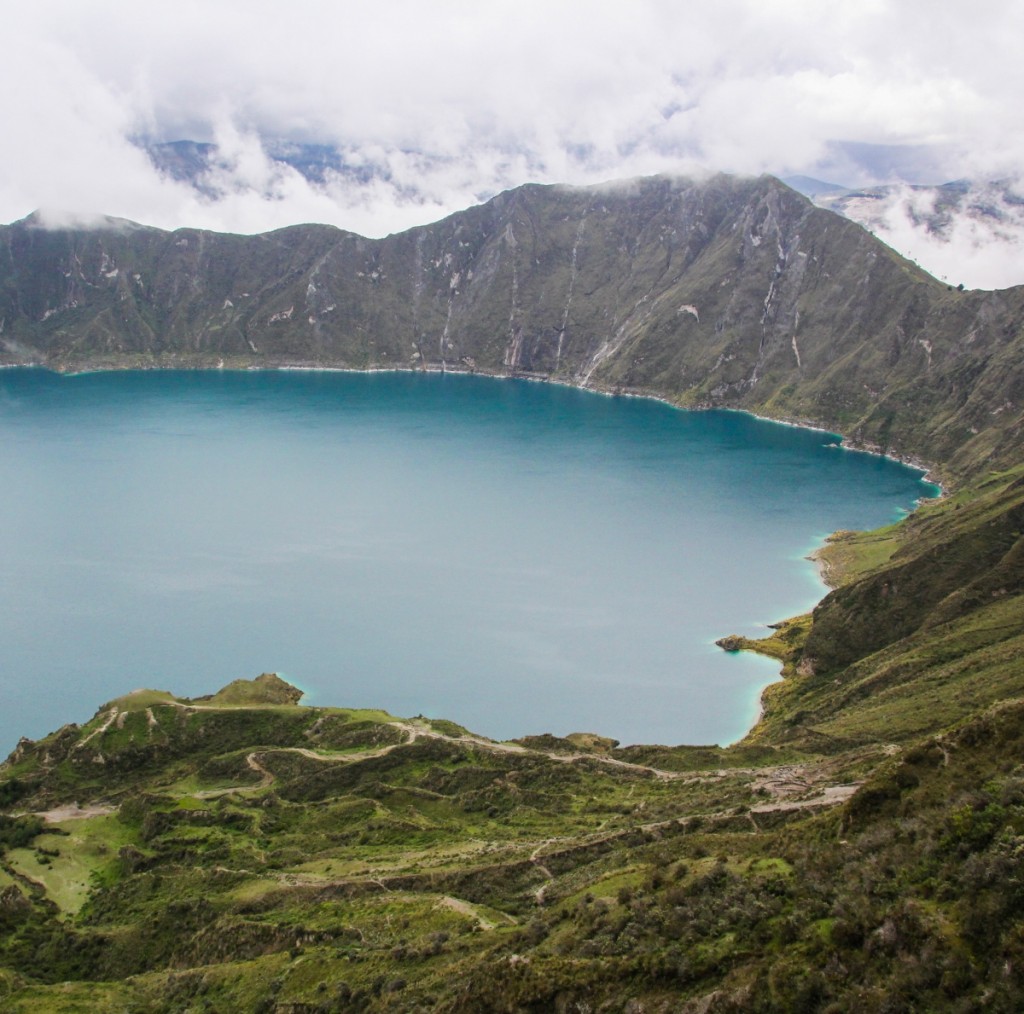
(980, 247)
(454, 100)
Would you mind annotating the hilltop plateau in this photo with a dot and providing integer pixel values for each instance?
(860, 850)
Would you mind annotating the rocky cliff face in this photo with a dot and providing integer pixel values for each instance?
(732, 292)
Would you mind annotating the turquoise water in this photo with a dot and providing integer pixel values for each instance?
(518, 557)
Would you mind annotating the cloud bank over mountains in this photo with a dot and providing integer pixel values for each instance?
(434, 107)
(971, 235)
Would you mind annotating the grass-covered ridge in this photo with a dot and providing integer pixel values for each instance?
(925, 628)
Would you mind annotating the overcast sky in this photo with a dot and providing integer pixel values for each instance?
(449, 102)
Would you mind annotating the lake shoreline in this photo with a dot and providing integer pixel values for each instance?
(202, 364)
(245, 364)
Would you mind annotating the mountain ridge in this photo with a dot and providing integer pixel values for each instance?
(725, 292)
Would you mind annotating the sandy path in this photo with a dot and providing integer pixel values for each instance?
(465, 908)
(72, 811)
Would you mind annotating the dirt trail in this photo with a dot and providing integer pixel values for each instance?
(539, 894)
(72, 811)
(327, 758)
(780, 781)
(788, 786)
(830, 795)
(111, 717)
(467, 909)
(565, 758)
(415, 730)
(255, 765)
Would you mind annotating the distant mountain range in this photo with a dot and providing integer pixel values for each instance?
(190, 161)
(965, 230)
(933, 207)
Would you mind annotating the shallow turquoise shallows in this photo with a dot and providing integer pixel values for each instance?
(518, 557)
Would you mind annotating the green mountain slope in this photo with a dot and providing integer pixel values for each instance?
(734, 292)
(263, 856)
(860, 850)
(922, 640)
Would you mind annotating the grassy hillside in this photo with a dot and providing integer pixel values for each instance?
(859, 851)
(243, 853)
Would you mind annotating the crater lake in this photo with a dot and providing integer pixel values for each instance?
(518, 557)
